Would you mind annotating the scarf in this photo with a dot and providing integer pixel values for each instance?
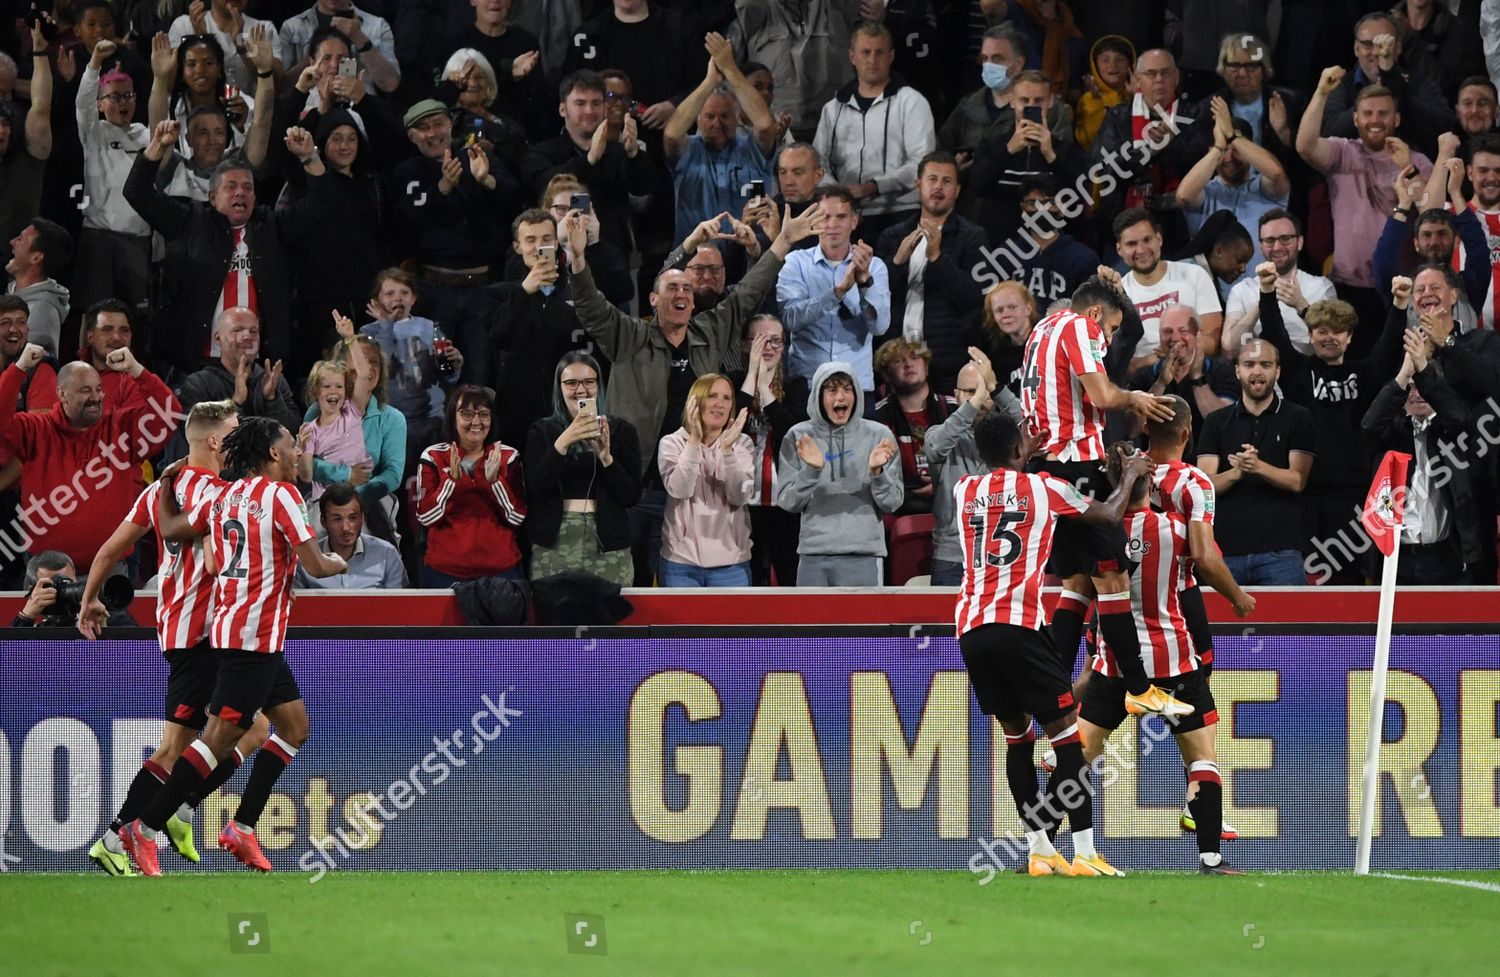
(1055, 42)
(1139, 193)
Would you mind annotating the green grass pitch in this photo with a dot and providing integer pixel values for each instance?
(759, 922)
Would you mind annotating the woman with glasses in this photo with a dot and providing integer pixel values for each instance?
(1245, 66)
(583, 467)
(470, 496)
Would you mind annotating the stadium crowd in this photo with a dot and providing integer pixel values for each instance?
(712, 293)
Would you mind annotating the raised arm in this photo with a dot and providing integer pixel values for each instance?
(1311, 145)
(1112, 510)
(39, 116)
(762, 122)
(163, 74)
(258, 52)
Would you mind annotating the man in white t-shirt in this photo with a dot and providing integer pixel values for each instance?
(1154, 285)
(1280, 242)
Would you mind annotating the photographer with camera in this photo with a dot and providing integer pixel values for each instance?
(54, 594)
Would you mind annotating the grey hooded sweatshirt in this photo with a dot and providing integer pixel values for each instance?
(48, 302)
(952, 455)
(840, 503)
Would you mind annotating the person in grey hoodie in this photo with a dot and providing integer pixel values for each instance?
(40, 248)
(953, 455)
(840, 472)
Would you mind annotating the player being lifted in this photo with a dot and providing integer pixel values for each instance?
(1158, 544)
(1065, 393)
(182, 613)
(1009, 518)
(1183, 489)
(256, 531)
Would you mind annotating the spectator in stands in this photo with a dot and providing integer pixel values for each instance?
(208, 141)
(1175, 131)
(1484, 176)
(611, 264)
(26, 145)
(583, 467)
(986, 111)
(226, 253)
(373, 563)
(41, 248)
(1009, 313)
(106, 328)
(471, 91)
(1046, 259)
(952, 455)
(1108, 85)
(655, 364)
(774, 402)
(713, 168)
(335, 435)
(838, 470)
(910, 409)
(1280, 235)
(835, 296)
(930, 259)
(420, 373)
(799, 171)
(618, 173)
(227, 22)
(1435, 233)
(191, 76)
(39, 389)
(649, 42)
(1236, 175)
(1420, 414)
(1207, 383)
(1259, 453)
(879, 171)
(257, 389)
(515, 54)
(385, 435)
(470, 497)
(1420, 112)
(1475, 106)
(370, 35)
(764, 83)
(1054, 36)
(1471, 360)
(41, 594)
(1245, 66)
(708, 471)
(1153, 284)
(1034, 141)
(804, 48)
(1222, 249)
(78, 458)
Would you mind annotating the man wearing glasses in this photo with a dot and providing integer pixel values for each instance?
(1424, 114)
(1296, 290)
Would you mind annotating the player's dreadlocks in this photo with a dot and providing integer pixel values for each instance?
(247, 448)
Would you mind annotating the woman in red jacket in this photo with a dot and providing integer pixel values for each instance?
(470, 496)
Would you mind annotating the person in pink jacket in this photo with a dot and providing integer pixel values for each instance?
(708, 469)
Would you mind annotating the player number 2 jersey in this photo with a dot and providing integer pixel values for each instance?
(1156, 544)
(1062, 348)
(254, 527)
(1006, 523)
(185, 596)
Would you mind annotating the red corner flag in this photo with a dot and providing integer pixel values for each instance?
(1385, 506)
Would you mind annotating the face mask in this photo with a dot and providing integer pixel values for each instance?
(996, 76)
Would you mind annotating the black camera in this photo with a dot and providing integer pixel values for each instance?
(116, 595)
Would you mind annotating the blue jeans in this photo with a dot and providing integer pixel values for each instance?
(1279, 568)
(945, 574)
(686, 575)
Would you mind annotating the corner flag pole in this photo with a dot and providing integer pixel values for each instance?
(1382, 518)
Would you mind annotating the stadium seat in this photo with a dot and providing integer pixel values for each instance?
(923, 580)
(911, 548)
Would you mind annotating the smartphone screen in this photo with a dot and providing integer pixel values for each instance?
(580, 202)
(348, 67)
(1032, 113)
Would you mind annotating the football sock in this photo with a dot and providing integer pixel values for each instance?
(1076, 801)
(217, 779)
(1037, 843)
(269, 764)
(1067, 625)
(148, 780)
(1208, 807)
(195, 765)
(1117, 625)
(1020, 773)
(1083, 844)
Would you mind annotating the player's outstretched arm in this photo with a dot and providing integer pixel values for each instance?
(172, 524)
(1209, 563)
(317, 563)
(1103, 393)
(92, 613)
(1112, 510)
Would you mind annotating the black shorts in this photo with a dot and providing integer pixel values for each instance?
(1104, 701)
(249, 681)
(1078, 547)
(191, 674)
(1016, 671)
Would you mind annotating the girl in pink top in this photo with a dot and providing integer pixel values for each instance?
(338, 434)
(708, 469)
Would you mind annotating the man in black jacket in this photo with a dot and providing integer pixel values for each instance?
(934, 296)
(222, 254)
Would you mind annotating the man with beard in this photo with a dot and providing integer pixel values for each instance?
(1259, 452)
(1153, 285)
(712, 170)
(106, 328)
(40, 249)
(1476, 106)
(40, 390)
(258, 390)
(931, 256)
(1296, 290)
(910, 409)
(1484, 176)
(1182, 370)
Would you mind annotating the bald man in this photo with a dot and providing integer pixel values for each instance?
(80, 460)
(257, 388)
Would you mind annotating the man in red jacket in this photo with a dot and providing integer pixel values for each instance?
(77, 480)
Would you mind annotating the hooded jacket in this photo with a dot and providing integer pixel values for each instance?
(48, 305)
(883, 144)
(841, 503)
(1089, 115)
(808, 56)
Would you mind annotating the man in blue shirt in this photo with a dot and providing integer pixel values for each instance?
(713, 169)
(373, 563)
(835, 296)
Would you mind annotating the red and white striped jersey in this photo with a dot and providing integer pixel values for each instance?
(1183, 490)
(1157, 545)
(1006, 523)
(1062, 348)
(1489, 316)
(253, 529)
(185, 589)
